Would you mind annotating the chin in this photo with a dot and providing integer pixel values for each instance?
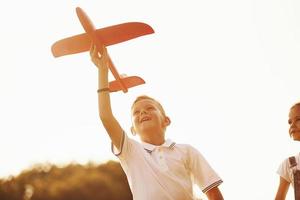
(146, 129)
(146, 126)
(296, 136)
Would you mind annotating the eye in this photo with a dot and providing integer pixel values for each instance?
(150, 108)
(297, 123)
(136, 112)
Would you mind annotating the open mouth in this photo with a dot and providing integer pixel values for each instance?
(293, 132)
(144, 119)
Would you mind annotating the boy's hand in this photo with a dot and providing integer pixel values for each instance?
(101, 61)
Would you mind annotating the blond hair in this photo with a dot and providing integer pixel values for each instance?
(296, 104)
(142, 97)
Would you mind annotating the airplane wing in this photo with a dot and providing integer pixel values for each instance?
(108, 35)
(129, 81)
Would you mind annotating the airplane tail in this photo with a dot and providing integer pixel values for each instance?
(129, 81)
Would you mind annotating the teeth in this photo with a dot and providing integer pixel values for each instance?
(145, 119)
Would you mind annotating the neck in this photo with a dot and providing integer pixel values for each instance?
(153, 138)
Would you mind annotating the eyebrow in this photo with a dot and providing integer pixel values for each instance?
(134, 110)
(296, 118)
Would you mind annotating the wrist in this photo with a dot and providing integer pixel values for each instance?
(102, 69)
(103, 89)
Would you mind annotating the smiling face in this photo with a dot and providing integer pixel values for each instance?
(294, 122)
(148, 119)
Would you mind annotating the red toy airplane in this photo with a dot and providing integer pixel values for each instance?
(101, 38)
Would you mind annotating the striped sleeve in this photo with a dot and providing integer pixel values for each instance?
(215, 184)
(115, 150)
(202, 173)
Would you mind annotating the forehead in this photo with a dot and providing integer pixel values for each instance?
(143, 102)
(295, 111)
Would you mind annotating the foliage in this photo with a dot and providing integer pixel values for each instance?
(74, 181)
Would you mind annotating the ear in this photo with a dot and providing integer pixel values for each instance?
(133, 132)
(167, 121)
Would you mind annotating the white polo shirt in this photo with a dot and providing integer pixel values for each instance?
(165, 172)
(285, 170)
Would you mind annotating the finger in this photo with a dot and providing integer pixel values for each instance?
(95, 52)
(104, 51)
(92, 49)
(94, 55)
(98, 54)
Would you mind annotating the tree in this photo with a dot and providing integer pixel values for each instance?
(74, 181)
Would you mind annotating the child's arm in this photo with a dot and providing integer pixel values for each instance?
(109, 122)
(214, 194)
(282, 189)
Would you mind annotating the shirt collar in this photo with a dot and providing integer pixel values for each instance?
(150, 147)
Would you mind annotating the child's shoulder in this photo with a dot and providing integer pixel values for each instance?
(288, 161)
(188, 148)
(185, 145)
(296, 156)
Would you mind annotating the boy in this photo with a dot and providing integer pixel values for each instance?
(287, 169)
(156, 169)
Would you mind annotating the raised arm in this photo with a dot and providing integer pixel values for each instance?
(109, 122)
(282, 189)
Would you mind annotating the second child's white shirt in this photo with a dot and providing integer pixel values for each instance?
(286, 172)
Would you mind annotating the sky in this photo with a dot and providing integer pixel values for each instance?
(226, 73)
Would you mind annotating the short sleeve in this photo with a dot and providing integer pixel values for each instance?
(202, 173)
(125, 147)
(284, 171)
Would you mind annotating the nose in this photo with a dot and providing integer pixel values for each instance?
(143, 111)
(295, 124)
(292, 127)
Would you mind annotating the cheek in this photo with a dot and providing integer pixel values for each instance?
(297, 123)
(134, 120)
